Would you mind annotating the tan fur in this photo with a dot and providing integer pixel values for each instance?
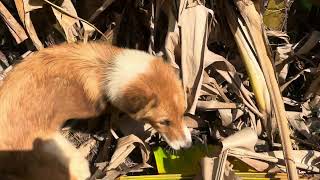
(71, 81)
(166, 100)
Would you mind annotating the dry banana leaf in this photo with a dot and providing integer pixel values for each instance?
(255, 28)
(68, 23)
(14, 27)
(24, 7)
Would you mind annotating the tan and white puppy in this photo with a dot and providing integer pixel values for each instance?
(76, 81)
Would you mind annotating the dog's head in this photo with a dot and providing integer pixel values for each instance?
(149, 90)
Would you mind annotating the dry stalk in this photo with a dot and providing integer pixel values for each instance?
(252, 67)
(254, 25)
(14, 27)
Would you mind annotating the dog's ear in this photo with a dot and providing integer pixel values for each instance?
(136, 103)
(136, 100)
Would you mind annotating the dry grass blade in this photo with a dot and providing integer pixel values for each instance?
(14, 27)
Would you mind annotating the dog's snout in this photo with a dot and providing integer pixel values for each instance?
(183, 139)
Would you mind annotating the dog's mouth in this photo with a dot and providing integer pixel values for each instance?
(182, 143)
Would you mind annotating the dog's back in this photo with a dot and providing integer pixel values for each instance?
(37, 96)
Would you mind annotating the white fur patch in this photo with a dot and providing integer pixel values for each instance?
(77, 165)
(127, 66)
(187, 134)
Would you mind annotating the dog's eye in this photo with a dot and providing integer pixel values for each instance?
(165, 122)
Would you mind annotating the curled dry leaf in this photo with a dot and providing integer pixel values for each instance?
(124, 147)
(236, 140)
(282, 54)
(297, 123)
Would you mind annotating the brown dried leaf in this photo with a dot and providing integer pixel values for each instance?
(193, 121)
(279, 34)
(193, 45)
(24, 7)
(228, 72)
(67, 23)
(282, 54)
(235, 140)
(209, 168)
(296, 121)
(14, 27)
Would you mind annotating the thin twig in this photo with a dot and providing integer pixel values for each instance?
(103, 7)
(75, 17)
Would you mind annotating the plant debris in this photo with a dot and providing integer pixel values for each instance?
(250, 71)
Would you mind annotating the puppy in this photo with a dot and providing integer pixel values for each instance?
(77, 81)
